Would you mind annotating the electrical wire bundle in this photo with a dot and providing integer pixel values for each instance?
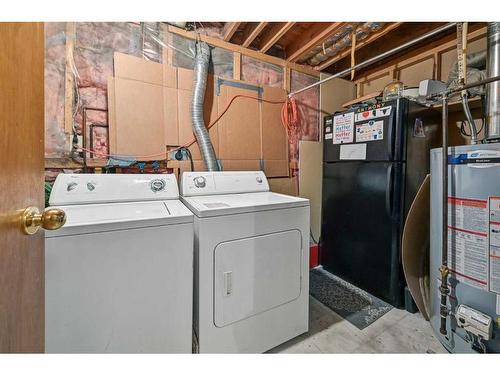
(290, 120)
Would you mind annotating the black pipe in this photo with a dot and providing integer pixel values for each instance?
(443, 310)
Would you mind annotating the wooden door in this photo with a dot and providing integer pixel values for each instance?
(21, 185)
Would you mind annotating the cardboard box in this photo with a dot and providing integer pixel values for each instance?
(416, 248)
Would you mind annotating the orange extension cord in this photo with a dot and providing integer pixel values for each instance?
(289, 119)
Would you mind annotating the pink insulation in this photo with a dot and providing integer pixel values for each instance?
(92, 64)
(55, 64)
(261, 73)
(308, 107)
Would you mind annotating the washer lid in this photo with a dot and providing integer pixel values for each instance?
(228, 204)
(116, 216)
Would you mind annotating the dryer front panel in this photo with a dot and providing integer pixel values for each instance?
(256, 274)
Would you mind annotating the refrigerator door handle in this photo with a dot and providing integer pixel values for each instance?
(389, 136)
(388, 191)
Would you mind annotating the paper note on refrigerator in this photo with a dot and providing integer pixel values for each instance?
(353, 152)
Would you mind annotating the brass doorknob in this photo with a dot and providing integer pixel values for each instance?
(51, 219)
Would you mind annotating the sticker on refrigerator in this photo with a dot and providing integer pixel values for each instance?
(328, 136)
(353, 152)
(494, 239)
(468, 241)
(373, 113)
(370, 131)
(343, 128)
(418, 128)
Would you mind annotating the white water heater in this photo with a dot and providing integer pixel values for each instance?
(473, 247)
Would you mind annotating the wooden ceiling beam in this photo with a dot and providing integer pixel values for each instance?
(373, 37)
(229, 30)
(312, 37)
(216, 42)
(274, 34)
(253, 33)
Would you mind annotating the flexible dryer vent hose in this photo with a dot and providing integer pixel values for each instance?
(200, 131)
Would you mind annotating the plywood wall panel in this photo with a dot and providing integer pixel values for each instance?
(111, 115)
(239, 129)
(170, 116)
(135, 68)
(139, 119)
(412, 75)
(274, 143)
(241, 165)
(374, 84)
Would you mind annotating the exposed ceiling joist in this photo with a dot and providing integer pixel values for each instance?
(229, 30)
(370, 39)
(311, 38)
(253, 33)
(216, 42)
(274, 34)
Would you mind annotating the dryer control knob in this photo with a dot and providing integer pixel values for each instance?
(157, 184)
(200, 182)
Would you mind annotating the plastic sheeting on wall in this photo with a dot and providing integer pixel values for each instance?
(261, 73)
(91, 65)
(221, 62)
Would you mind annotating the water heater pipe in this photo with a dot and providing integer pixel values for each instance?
(200, 131)
(444, 270)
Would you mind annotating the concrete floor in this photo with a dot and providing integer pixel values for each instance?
(398, 331)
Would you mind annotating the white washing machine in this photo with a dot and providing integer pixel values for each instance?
(118, 275)
(251, 283)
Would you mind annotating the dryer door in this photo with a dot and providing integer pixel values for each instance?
(256, 274)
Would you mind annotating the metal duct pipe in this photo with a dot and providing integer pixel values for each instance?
(201, 62)
(470, 119)
(492, 131)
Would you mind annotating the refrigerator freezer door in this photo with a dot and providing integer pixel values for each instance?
(360, 239)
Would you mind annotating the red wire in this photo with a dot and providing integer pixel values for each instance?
(289, 119)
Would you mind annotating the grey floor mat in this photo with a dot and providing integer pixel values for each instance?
(357, 306)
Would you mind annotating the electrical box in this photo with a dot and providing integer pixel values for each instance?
(474, 322)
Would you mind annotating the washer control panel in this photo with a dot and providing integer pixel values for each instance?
(211, 183)
(106, 188)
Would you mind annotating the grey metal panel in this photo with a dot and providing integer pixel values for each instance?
(465, 182)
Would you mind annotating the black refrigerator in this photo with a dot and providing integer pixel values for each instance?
(374, 161)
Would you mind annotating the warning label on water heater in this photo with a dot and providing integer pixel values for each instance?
(468, 241)
(494, 236)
